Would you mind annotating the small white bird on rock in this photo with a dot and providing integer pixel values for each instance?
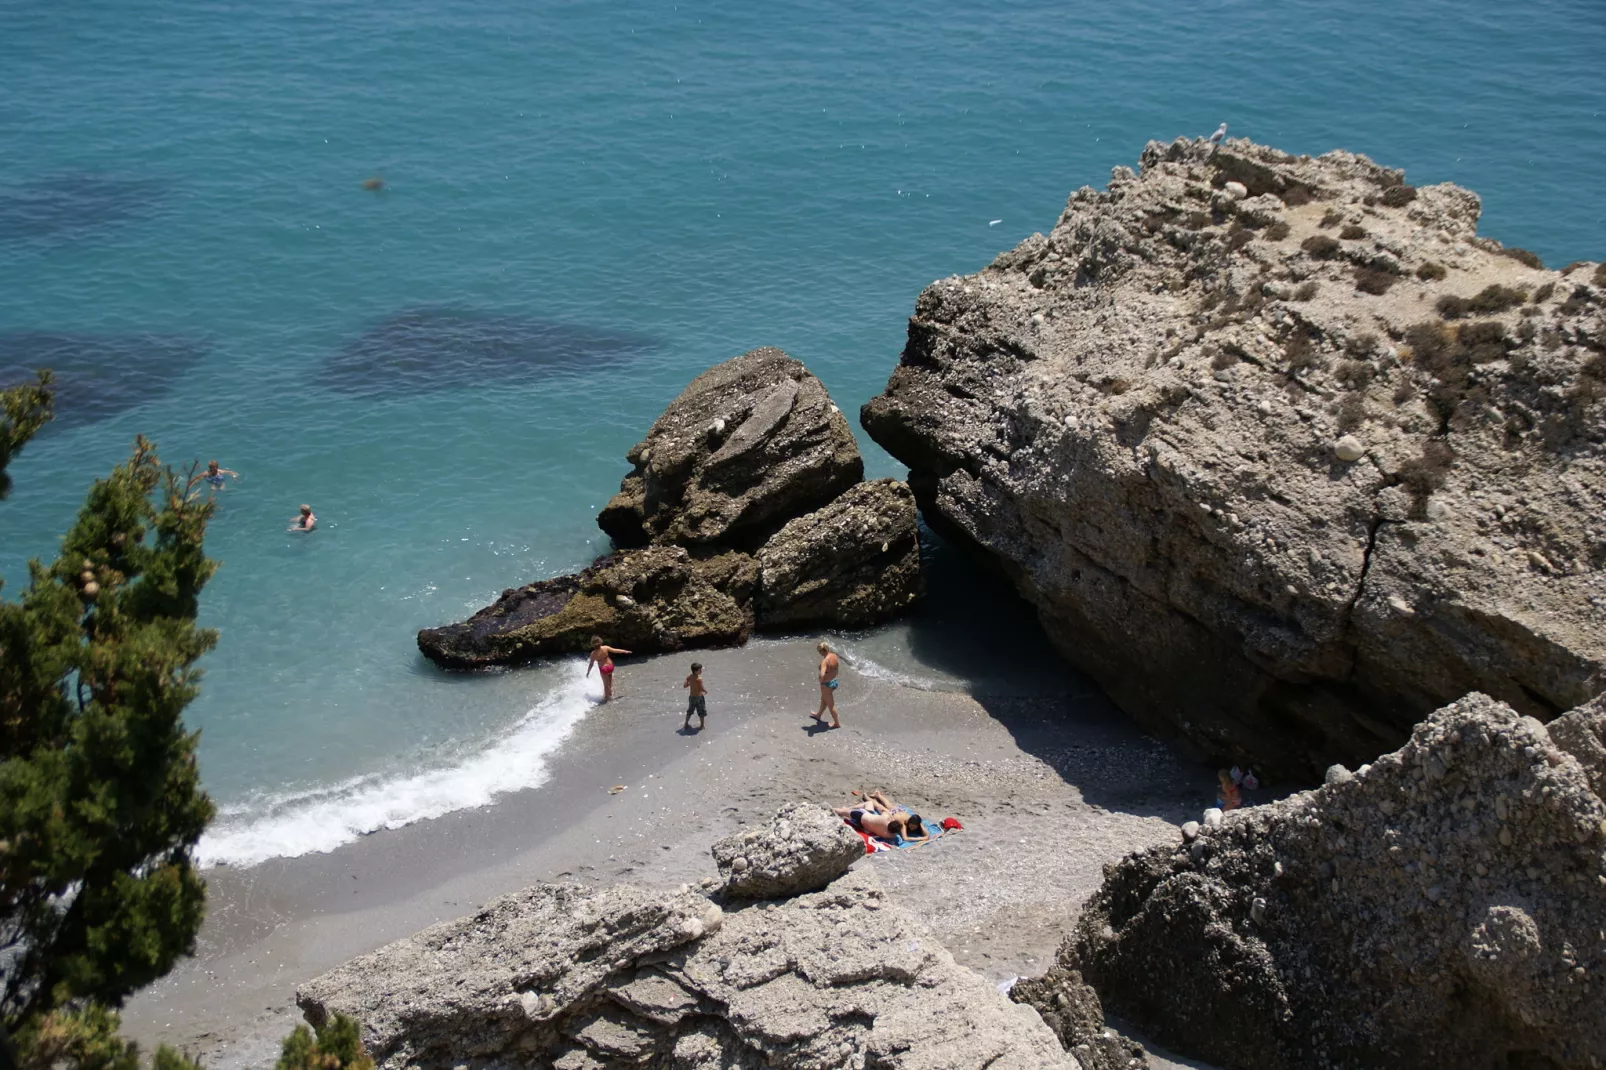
(1214, 140)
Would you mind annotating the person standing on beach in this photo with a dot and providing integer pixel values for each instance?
(697, 700)
(829, 667)
(304, 521)
(602, 658)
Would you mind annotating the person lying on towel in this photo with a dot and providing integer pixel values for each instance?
(868, 820)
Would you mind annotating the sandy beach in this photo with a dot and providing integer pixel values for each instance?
(1050, 782)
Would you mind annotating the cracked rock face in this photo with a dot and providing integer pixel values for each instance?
(1439, 907)
(748, 445)
(804, 848)
(854, 563)
(558, 977)
(1284, 453)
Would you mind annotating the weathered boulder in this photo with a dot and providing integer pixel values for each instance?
(560, 977)
(804, 848)
(461, 990)
(748, 445)
(1439, 907)
(648, 601)
(751, 458)
(1070, 1007)
(851, 564)
(1285, 472)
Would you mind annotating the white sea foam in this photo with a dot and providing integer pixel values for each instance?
(865, 666)
(288, 824)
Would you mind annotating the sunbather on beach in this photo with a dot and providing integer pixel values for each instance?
(914, 828)
(883, 826)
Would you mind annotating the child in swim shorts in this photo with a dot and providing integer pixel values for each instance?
(697, 699)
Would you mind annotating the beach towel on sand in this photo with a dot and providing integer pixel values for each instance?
(872, 844)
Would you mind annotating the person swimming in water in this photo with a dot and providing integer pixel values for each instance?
(602, 658)
(217, 476)
(304, 521)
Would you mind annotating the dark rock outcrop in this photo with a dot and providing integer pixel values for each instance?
(557, 976)
(804, 848)
(1070, 1007)
(648, 601)
(745, 509)
(1440, 907)
(1284, 453)
(747, 446)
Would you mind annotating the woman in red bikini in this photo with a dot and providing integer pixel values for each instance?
(602, 658)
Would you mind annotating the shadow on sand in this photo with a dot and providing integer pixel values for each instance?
(974, 627)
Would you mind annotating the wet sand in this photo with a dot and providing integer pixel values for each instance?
(1050, 782)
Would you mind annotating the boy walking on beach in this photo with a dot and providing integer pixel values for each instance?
(697, 701)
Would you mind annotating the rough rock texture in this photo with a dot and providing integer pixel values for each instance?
(1442, 906)
(647, 601)
(556, 977)
(745, 508)
(1070, 1007)
(854, 563)
(750, 444)
(803, 849)
(1285, 467)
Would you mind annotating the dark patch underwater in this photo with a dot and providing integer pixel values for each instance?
(67, 206)
(98, 375)
(426, 349)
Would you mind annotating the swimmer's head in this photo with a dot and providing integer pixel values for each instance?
(306, 510)
(824, 648)
(696, 666)
(596, 641)
(211, 466)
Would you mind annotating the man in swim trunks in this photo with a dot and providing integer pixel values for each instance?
(602, 658)
(829, 667)
(304, 521)
(215, 475)
(882, 826)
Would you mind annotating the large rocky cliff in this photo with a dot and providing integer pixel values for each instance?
(1284, 453)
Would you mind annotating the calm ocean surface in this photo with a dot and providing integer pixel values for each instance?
(584, 206)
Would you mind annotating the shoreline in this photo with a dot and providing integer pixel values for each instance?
(1050, 783)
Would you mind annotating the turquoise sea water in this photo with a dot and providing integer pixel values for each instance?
(584, 205)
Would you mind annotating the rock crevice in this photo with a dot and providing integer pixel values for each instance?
(1285, 455)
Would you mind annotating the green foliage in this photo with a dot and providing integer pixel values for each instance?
(1370, 280)
(84, 1037)
(1431, 271)
(100, 800)
(1492, 298)
(1351, 232)
(336, 1046)
(1452, 356)
(23, 411)
(1277, 231)
(1321, 247)
(1523, 256)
